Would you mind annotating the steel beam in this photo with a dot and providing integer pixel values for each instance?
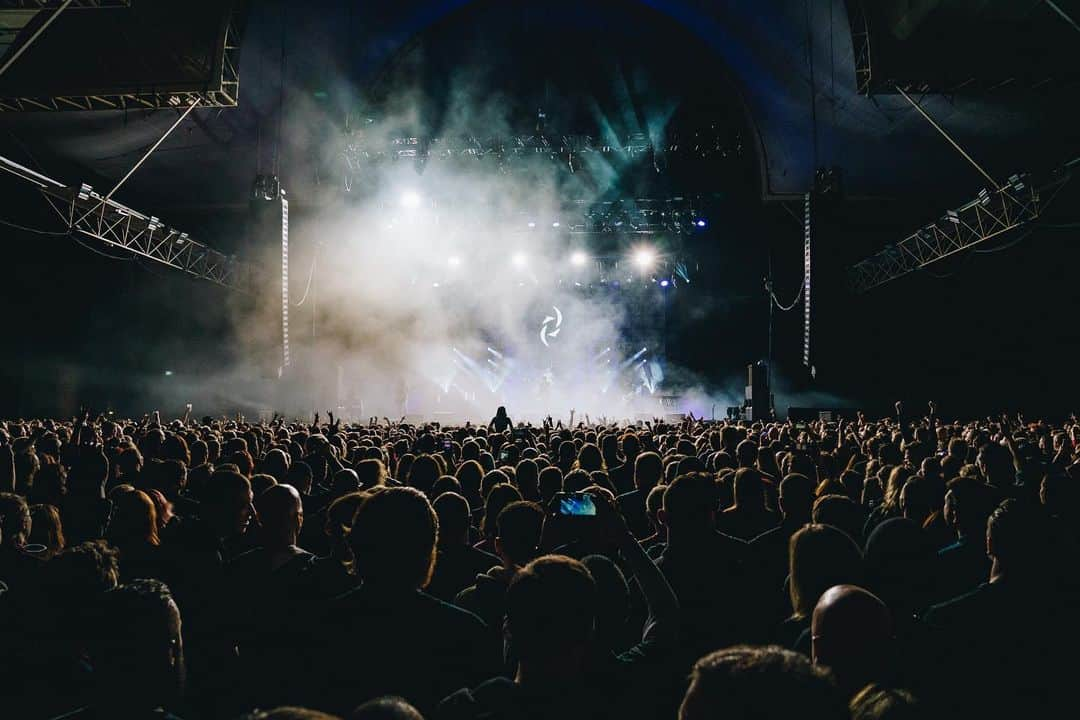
(990, 214)
(84, 211)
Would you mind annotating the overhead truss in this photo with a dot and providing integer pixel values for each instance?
(86, 212)
(75, 5)
(990, 214)
(226, 74)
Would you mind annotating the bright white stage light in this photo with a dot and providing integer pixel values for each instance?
(519, 260)
(453, 261)
(644, 258)
(578, 258)
(664, 283)
(410, 199)
(555, 224)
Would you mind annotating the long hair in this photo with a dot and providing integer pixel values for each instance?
(134, 519)
(820, 556)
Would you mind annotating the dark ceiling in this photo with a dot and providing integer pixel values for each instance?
(787, 65)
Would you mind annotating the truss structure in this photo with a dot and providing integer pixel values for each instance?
(568, 151)
(860, 44)
(76, 5)
(223, 92)
(86, 212)
(990, 214)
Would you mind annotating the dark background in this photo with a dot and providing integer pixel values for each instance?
(979, 332)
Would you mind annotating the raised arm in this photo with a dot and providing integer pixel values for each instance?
(662, 625)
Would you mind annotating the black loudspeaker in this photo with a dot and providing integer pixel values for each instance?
(758, 398)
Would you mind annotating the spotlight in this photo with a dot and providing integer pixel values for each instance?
(555, 224)
(453, 261)
(578, 259)
(700, 222)
(532, 224)
(664, 283)
(644, 258)
(410, 199)
(519, 260)
(168, 373)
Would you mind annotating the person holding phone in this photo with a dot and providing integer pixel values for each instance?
(549, 628)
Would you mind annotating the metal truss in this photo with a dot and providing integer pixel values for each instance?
(860, 44)
(76, 5)
(88, 213)
(987, 216)
(568, 150)
(225, 75)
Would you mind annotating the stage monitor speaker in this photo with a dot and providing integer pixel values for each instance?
(758, 401)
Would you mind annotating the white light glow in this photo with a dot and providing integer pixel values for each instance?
(644, 258)
(519, 260)
(578, 258)
(410, 199)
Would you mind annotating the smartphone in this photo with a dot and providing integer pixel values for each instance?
(448, 445)
(504, 455)
(576, 504)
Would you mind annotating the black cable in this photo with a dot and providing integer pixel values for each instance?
(17, 226)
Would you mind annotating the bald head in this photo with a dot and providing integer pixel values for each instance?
(852, 634)
(281, 515)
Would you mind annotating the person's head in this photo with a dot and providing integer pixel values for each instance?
(690, 504)
(501, 495)
(281, 515)
(88, 474)
(648, 469)
(292, 712)
(1057, 493)
(899, 563)
(894, 485)
(761, 682)
(527, 477)
(393, 539)
(820, 556)
(749, 490)
(916, 500)
(1015, 539)
(796, 498)
(46, 529)
(851, 634)
(996, 464)
(134, 519)
(139, 650)
(50, 485)
(470, 474)
(386, 708)
(15, 520)
(589, 458)
(551, 614)
(371, 473)
(452, 511)
(746, 453)
(654, 502)
(501, 412)
(424, 472)
(841, 512)
(879, 702)
(520, 525)
(276, 463)
(227, 502)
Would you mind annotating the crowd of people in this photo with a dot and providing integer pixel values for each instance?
(909, 566)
